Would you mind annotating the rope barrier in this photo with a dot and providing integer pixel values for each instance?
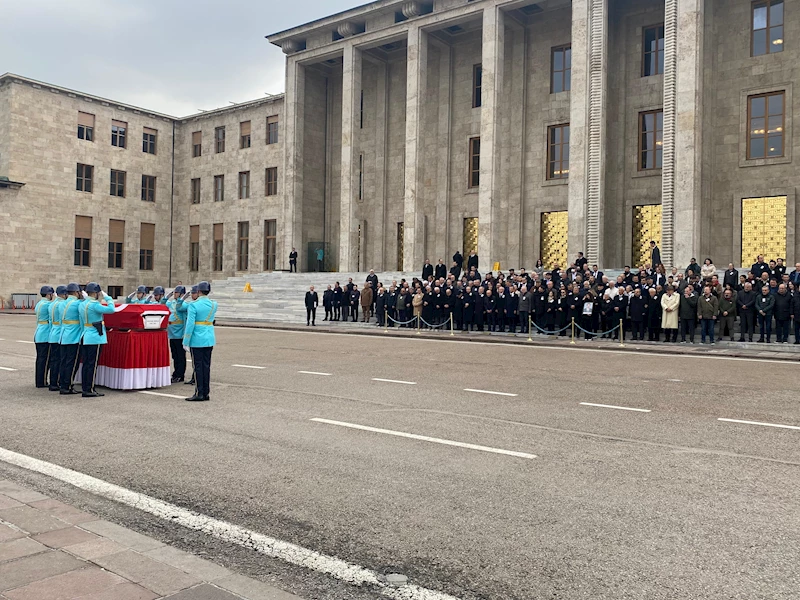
(599, 333)
(548, 332)
(401, 322)
(435, 326)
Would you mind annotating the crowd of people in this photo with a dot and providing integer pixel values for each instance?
(649, 303)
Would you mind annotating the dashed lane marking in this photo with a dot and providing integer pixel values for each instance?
(248, 367)
(644, 410)
(25, 342)
(489, 392)
(314, 373)
(7, 369)
(394, 381)
(761, 424)
(162, 394)
(425, 438)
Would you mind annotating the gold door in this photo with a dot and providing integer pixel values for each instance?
(470, 236)
(646, 228)
(763, 228)
(554, 239)
(401, 245)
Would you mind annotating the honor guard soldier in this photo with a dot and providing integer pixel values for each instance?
(94, 336)
(71, 332)
(138, 297)
(195, 294)
(158, 296)
(177, 320)
(42, 335)
(198, 338)
(56, 314)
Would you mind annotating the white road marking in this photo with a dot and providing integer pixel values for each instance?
(25, 342)
(314, 373)
(676, 380)
(425, 438)
(759, 423)
(616, 407)
(7, 369)
(489, 392)
(248, 367)
(394, 381)
(162, 394)
(228, 532)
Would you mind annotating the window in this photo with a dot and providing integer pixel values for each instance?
(360, 176)
(119, 133)
(272, 130)
(474, 178)
(219, 140)
(85, 126)
(243, 258)
(194, 247)
(653, 51)
(361, 111)
(219, 188)
(116, 241)
(148, 188)
(651, 132)
(218, 246)
(766, 125)
(83, 241)
(561, 69)
(149, 140)
(83, 182)
(115, 291)
(558, 152)
(118, 183)
(272, 181)
(197, 144)
(244, 134)
(477, 80)
(270, 244)
(244, 184)
(196, 191)
(146, 244)
(767, 35)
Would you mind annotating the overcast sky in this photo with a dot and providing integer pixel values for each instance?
(171, 56)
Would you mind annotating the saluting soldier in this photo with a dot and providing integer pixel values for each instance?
(56, 314)
(138, 297)
(94, 335)
(177, 319)
(158, 296)
(198, 338)
(42, 335)
(71, 332)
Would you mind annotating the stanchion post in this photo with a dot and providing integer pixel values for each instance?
(572, 341)
(386, 322)
(621, 334)
(530, 329)
(418, 325)
(452, 332)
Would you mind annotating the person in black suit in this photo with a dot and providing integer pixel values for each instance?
(427, 270)
(580, 262)
(312, 301)
(472, 261)
(327, 303)
(355, 298)
(440, 272)
(759, 267)
(293, 261)
(380, 307)
(655, 255)
(458, 259)
(637, 309)
(731, 276)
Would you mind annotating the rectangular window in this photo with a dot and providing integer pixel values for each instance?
(360, 176)
(243, 258)
(149, 140)
(653, 51)
(118, 183)
(83, 182)
(85, 126)
(148, 188)
(119, 131)
(83, 241)
(219, 140)
(270, 244)
(767, 27)
(244, 185)
(477, 80)
(196, 191)
(474, 176)
(272, 130)
(361, 111)
(197, 144)
(116, 241)
(194, 247)
(766, 117)
(651, 136)
(561, 69)
(115, 291)
(218, 246)
(272, 181)
(244, 134)
(219, 188)
(558, 151)
(146, 244)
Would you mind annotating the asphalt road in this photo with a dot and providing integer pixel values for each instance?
(671, 503)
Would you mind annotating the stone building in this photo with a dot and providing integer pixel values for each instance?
(410, 129)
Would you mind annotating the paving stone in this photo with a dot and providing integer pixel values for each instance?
(121, 535)
(189, 563)
(16, 573)
(65, 512)
(19, 493)
(252, 589)
(94, 549)
(9, 533)
(67, 586)
(65, 537)
(8, 502)
(19, 548)
(147, 572)
(203, 592)
(31, 519)
(123, 591)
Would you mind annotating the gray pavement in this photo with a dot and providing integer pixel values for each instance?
(671, 503)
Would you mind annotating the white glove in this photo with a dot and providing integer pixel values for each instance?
(185, 348)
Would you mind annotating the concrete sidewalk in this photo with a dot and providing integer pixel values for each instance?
(52, 551)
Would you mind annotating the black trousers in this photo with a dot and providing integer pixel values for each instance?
(70, 353)
(747, 325)
(55, 365)
(345, 311)
(178, 358)
(688, 328)
(523, 321)
(90, 355)
(354, 312)
(201, 357)
(638, 330)
(311, 315)
(292, 266)
(42, 360)
(782, 330)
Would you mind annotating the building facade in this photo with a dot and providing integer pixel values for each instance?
(410, 129)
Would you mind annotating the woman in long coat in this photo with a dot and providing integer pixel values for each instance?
(670, 302)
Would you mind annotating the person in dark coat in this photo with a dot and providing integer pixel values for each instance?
(472, 261)
(550, 309)
(440, 271)
(731, 277)
(637, 309)
(524, 308)
(448, 306)
(575, 304)
(458, 309)
(512, 310)
(500, 309)
(337, 302)
(746, 308)
(312, 301)
(783, 314)
(468, 321)
(562, 313)
(455, 271)
(687, 314)
(653, 319)
(606, 315)
(427, 270)
(458, 259)
(539, 308)
(765, 305)
(327, 303)
(438, 306)
(620, 313)
(759, 267)
(489, 305)
(391, 306)
(480, 308)
(589, 316)
(355, 301)
(427, 308)
(655, 255)
(380, 306)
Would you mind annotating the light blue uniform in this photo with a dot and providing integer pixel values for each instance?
(71, 328)
(199, 331)
(92, 312)
(42, 335)
(56, 313)
(135, 300)
(177, 318)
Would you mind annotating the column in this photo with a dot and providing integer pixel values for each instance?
(292, 219)
(492, 62)
(387, 231)
(681, 175)
(516, 145)
(442, 241)
(588, 116)
(414, 220)
(351, 99)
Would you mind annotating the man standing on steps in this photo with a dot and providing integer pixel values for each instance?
(312, 301)
(655, 255)
(293, 261)
(355, 298)
(199, 339)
